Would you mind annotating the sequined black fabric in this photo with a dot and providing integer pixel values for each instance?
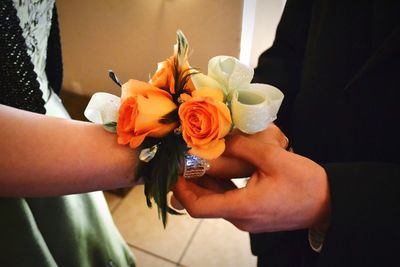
(18, 81)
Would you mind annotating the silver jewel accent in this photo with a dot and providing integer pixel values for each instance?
(148, 154)
(180, 100)
(195, 167)
(178, 130)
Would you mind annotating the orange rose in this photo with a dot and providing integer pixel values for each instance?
(143, 105)
(205, 121)
(164, 77)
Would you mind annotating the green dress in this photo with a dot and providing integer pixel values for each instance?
(73, 230)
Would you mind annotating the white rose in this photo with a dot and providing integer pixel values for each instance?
(253, 106)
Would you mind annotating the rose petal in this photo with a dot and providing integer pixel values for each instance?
(212, 92)
(164, 78)
(135, 87)
(136, 140)
(123, 138)
(210, 152)
(155, 104)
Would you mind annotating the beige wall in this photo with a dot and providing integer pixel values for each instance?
(267, 16)
(131, 36)
(260, 19)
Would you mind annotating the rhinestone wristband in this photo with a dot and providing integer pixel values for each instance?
(194, 167)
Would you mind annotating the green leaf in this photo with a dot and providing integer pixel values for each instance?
(110, 126)
(161, 173)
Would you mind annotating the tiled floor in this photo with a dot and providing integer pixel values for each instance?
(184, 242)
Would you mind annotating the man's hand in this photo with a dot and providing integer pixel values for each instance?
(228, 166)
(285, 192)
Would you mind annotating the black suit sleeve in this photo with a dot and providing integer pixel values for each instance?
(365, 222)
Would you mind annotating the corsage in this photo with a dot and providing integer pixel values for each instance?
(178, 120)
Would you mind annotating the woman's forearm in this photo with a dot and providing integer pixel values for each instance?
(45, 156)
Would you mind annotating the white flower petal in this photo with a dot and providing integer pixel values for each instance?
(253, 109)
(230, 72)
(274, 95)
(103, 108)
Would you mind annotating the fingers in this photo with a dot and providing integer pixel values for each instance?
(206, 186)
(280, 137)
(215, 185)
(250, 150)
(229, 167)
(271, 135)
(203, 202)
